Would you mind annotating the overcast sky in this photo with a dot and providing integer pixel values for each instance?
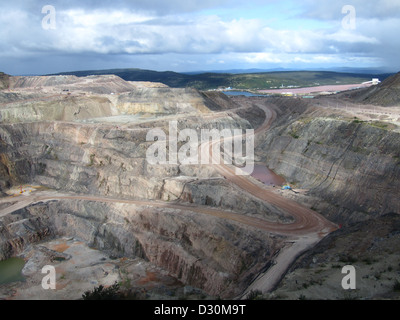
(192, 35)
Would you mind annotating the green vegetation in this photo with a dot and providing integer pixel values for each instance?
(117, 291)
(312, 283)
(92, 156)
(294, 135)
(4, 81)
(254, 295)
(375, 124)
(396, 286)
(348, 259)
(367, 261)
(379, 124)
(383, 125)
(41, 168)
(102, 293)
(305, 120)
(59, 259)
(243, 81)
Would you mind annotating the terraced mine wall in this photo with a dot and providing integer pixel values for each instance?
(210, 253)
(91, 159)
(350, 167)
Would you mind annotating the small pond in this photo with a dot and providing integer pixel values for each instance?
(267, 176)
(10, 270)
(243, 93)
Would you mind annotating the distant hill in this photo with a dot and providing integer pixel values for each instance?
(377, 71)
(170, 78)
(242, 81)
(387, 93)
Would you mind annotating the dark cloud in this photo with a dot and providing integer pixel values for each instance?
(160, 7)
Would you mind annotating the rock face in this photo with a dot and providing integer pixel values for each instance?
(105, 84)
(49, 139)
(369, 246)
(4, 81)
(95, 159)
(350, 165)
(70, 152)
(220, 259)
(58, 109)
(161, 101)
(18, 230)
(221, 194)
(386, 93)
(69, 98)
(92, 139)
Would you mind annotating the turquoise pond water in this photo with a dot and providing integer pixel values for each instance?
(243, 93)
(10, 270)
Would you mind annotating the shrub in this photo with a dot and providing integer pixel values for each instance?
(396, 286)
(253, 295)
(294, 135)
(102, 293)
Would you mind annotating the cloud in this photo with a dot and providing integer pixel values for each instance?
(124, 32)
(332, 10)
(186, 28)
(157, 7)
(262, 57)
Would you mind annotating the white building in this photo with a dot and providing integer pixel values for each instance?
(374, 81)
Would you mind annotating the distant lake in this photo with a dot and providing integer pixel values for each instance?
(10, 270)
(243, 93)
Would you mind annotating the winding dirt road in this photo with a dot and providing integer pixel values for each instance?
(308, 227)
(302, 227)
(306, 231)
(306, 220)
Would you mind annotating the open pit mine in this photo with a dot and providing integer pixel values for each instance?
(78, 194)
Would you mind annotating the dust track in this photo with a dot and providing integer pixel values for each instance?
(308, 227)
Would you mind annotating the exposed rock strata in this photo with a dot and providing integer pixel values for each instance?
(210, 253)
(386, 93)
(369, 246)
(161, 101)
(336, 159)
(4, 81)
(220, 193)
(96, 159)
(353, 166)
